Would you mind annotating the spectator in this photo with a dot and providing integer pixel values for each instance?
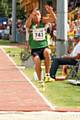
(10, 28)
(66, 60)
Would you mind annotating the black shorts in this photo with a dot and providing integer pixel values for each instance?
(38, 52)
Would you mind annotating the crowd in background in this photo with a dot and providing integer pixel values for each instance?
(72, 4)
(74, 29)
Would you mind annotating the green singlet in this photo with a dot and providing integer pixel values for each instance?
(38, 36)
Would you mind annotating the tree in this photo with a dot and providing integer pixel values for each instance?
(6, 9)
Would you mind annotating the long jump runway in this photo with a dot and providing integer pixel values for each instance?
(17, 93)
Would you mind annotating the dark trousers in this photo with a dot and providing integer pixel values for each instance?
(60, 61)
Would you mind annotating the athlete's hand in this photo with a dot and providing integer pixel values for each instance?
(48, 8)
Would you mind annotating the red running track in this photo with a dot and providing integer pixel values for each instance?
(16, 93)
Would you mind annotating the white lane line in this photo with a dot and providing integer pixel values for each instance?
(48, 103)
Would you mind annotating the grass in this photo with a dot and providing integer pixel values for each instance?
(6, 42)
(15, 54)
(60, 93)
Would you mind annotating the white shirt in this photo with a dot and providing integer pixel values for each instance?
(76, 50)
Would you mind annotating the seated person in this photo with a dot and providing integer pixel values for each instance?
(66, 60)
(64, 69)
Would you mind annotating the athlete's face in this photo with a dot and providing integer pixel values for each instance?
(37, 17)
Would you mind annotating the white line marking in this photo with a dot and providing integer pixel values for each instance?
(48, 103)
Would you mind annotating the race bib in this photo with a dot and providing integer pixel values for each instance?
(39, 34)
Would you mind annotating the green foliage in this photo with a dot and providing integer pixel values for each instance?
(2, 11)
(6, 9)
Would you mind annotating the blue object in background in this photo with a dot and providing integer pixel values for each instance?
(3, 20)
